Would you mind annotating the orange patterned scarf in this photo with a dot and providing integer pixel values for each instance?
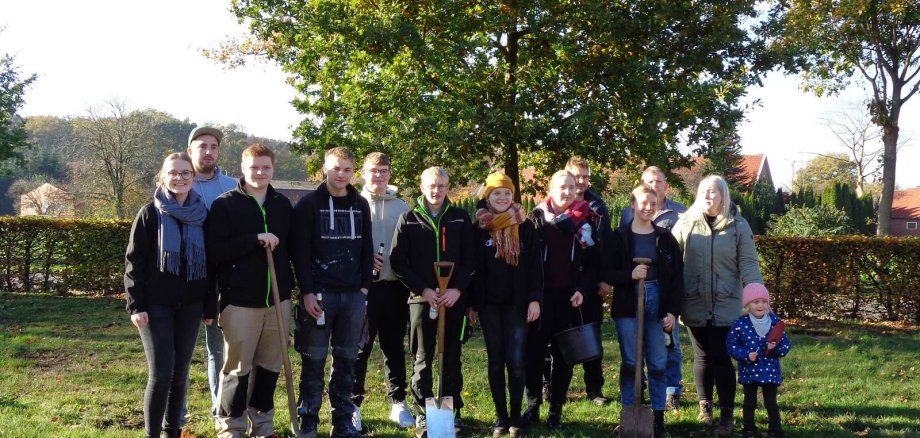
(504, 230)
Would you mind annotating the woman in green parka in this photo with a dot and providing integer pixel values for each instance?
(719, 260)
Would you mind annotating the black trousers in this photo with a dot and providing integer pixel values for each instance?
(556, 314)
(769, 402)
(504, 328)
(423, 335)
(592, 311)
(713, 365)
(387, 319)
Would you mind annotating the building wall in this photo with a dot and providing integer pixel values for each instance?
(899, 227)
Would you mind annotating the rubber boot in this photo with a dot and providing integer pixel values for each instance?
(660, 431)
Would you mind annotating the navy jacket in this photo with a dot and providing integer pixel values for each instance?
(743, 339)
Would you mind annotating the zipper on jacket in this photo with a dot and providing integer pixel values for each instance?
(268, 273)
(439, 237)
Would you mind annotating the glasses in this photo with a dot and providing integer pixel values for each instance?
(378, 172)
(185, 174)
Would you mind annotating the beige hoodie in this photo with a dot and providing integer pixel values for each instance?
(385, 211)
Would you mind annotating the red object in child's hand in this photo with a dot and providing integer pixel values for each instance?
(775, 335)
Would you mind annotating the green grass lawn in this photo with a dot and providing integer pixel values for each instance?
(74, 367)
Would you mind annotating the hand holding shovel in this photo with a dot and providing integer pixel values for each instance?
(439, 412)
(283, 337)
(636, 420)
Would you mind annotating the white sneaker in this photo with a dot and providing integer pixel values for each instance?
(400, 415)
(356, 419)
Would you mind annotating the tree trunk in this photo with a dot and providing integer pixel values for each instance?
(889, 162)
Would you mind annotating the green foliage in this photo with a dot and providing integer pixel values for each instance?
(858, 277)
(831, 42)
(62, 255)
(13, 137)
(817, 221)
(759, 204)
(477, 86)
(826, 170)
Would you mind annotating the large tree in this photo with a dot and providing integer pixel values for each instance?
(13, 137)
(825, 170)
(119, 153)
(877, 41)
(476, 86)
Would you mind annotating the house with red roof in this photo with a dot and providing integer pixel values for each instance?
(755, 168)
(905, 212)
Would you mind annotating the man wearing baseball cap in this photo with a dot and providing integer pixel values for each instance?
(210, 182)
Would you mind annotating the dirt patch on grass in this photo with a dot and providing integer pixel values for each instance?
(44, 359)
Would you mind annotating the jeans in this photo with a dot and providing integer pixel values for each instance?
(505, 332)
(345, 312)
(673, 371)
(387, 319)
(654, 351)
(169, 340)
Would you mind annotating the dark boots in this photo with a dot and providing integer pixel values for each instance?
(660, 431)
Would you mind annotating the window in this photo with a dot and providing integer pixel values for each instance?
(911, 225)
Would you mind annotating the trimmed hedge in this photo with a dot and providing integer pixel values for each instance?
(857, 277)
(62, 255)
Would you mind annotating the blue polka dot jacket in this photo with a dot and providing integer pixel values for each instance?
(743, 339)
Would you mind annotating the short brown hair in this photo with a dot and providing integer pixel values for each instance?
(259, 150)
(341, 153)
(577, 161)
(377, 159)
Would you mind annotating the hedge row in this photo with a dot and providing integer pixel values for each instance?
(62, 255)
(858, 277)
(842, 277)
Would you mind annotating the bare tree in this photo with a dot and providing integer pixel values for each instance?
(114, 143)
(861, 137)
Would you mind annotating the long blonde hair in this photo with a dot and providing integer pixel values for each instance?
(725, 195)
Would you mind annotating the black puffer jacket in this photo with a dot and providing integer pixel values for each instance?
(526, 278)
(234, 222)
(618, 266)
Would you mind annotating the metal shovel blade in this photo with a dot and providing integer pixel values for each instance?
(636, 422)
(439, 414)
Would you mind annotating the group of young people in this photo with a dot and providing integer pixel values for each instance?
(363, 261)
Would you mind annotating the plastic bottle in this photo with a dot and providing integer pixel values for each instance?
(376, 273)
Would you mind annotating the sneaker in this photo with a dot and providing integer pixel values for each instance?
(356, 419)
(499, 428)
(345, 431)
(554, 419)
(673, 402)
(401, 415)
(421, 426)
(517, 428)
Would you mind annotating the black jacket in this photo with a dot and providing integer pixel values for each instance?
(527, 276)
(420, 240)
(585, 261)
(599, 207)
(145, 284)
(233, 224)
(332, 252)
(618, 272)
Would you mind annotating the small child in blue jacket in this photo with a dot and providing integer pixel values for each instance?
(747, 343)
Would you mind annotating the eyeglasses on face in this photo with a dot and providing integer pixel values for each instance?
(378, 172)
(185, 174)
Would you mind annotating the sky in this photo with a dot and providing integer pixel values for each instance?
(148, 54)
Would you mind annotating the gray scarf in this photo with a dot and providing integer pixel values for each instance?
(761, 325)
(191, 216)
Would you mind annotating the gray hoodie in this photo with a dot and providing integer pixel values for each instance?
(385, 212)
(210, 189)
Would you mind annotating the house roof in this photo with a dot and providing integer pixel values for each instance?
(906, 204)
(751, 167)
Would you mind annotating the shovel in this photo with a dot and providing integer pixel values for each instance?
(439, 413)
(283, 337)
(636, 420)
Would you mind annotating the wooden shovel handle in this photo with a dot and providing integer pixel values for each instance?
(283, 337)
